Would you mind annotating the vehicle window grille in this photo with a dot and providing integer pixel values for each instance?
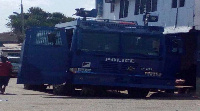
(42, 38)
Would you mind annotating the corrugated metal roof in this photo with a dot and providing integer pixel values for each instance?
(8, 36)
(180, 29)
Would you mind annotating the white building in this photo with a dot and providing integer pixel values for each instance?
(175, 15)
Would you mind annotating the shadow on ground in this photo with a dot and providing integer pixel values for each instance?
(119, 95)
(8, 94)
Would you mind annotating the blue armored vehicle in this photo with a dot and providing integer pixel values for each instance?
(102, 54)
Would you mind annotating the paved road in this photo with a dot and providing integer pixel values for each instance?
(18, 99)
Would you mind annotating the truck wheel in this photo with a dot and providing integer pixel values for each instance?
(66, 89)
(87, 91)
(40, 87)
(28, 86)
(35, 87)
(93, 91)
(171, 91)
(138, 92)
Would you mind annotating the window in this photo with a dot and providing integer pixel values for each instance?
(142, 6)
(137, 7)
(175, 3)
(42, 38)
(99, 42)
(124, 4)
(148, 5)
(181, 3)
(112, 7)
(154, 5)
(69, 37)
(142, 45)
(99, 6)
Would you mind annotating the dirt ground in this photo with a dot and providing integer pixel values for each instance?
(19, 99)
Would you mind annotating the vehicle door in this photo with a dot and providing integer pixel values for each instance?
(44, 57)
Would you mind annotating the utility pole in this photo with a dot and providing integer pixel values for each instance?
(22, 20)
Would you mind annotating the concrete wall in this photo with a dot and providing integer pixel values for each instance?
(167, 15)
(197, 14)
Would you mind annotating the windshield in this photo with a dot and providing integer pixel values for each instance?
(14, 60)
(119, 43)
(145, 45)
(100, 42)
(14, 54)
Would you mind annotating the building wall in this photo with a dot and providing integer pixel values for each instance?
(167, 15)
(197, 14)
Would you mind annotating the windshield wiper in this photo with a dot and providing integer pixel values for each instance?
(140, 55)
(102, 53)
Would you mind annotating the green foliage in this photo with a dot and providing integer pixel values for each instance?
(36, 17)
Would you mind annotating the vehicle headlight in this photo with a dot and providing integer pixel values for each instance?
(80, 70)
(153, 74)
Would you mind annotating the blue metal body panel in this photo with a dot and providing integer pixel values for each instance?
(104, 73)
(49, 64)
(148, 72)
(123, 81)
(39, 61)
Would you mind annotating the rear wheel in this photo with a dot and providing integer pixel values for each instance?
(138, 92)
(28, 86)
(35, 87)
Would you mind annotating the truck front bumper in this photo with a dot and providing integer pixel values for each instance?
(121, 80)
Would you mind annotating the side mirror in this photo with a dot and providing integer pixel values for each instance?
(177, 46)
(52, 38)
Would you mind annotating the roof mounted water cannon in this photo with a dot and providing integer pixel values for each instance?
(86, 13)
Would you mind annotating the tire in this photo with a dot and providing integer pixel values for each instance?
(93, 91)
(28, 87)
(66, 89)
(171, 91)
(138, 92)
(40, 87)
(35, 87)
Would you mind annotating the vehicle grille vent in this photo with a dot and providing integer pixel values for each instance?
(110, 67)
(114, 67)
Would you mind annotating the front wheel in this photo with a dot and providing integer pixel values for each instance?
(138, 92)
(66, 89)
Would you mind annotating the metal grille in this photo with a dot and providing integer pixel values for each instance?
(114, 67)
(110, 67)
(42, 37)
